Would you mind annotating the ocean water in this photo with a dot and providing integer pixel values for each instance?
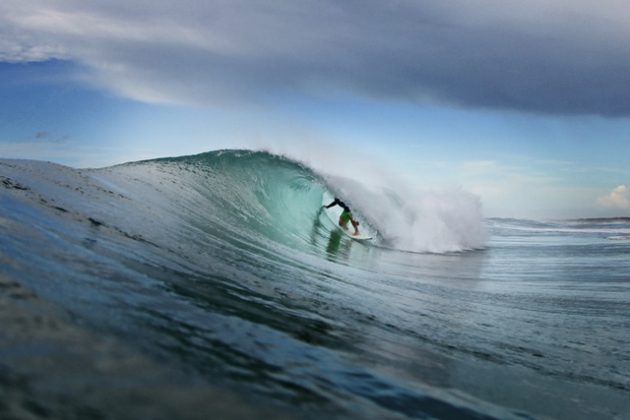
(215, 286)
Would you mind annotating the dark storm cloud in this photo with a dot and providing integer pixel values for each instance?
(555, 57)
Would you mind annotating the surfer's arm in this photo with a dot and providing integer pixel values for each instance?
(331, 204)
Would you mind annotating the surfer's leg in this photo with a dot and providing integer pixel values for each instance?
(344, 219)
(355, 225)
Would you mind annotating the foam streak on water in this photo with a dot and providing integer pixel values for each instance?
(216, 284)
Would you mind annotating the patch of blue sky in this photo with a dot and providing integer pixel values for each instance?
(46, 105)
(43, 99)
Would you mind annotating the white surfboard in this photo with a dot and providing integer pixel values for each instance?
(358, 237)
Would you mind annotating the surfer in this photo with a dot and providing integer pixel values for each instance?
(346, 216)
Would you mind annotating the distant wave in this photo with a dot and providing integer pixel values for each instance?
(602, 220)
(618, 227)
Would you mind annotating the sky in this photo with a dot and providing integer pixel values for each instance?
(524, 103)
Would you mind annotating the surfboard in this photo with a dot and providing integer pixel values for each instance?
(349, 231)
(358, 237)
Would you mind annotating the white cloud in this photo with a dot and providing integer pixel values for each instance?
(618, 198)
(526, 55)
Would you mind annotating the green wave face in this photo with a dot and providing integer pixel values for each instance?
(252, 197)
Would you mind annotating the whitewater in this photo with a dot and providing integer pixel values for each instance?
(216, 286)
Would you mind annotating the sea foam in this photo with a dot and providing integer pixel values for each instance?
(406, 217)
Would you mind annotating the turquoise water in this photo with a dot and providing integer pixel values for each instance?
(215, 284)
